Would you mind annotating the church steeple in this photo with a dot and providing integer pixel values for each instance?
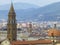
(12, 26)
(12, 11)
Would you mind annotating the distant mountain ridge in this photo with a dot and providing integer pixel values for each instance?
(47, 13)
(18, 6)
(50, 12)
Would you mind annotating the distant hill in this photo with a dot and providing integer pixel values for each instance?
(51, 12)
(47, 13)
(18, 6)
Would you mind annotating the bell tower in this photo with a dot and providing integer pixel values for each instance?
(12, 25)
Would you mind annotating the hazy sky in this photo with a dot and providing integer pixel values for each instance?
(36, 2)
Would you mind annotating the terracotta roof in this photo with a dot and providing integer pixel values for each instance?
(32, 42)
(55, 32)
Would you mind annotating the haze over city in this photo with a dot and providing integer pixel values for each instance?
(30, 22)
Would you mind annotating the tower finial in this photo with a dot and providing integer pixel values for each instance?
(11, 2)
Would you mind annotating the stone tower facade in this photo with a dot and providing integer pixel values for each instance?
(12, 25)
(30, 28)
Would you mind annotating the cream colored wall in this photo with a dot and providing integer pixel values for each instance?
(6, 42)
(58, 44)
